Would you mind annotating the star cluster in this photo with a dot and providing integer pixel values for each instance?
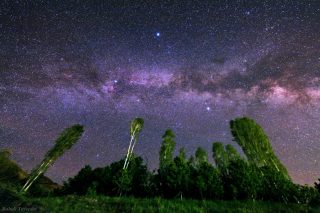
(186, 65)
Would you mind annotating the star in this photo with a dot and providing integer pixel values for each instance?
(167, 63)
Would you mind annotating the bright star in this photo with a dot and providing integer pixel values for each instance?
(158, 34)
(208, 108)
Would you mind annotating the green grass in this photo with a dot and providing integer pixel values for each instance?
(116, 205)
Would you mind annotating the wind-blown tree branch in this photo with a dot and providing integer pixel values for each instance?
(255, 144)
(65, 141)
(135, 129)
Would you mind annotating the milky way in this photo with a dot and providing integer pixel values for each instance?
(186, 65)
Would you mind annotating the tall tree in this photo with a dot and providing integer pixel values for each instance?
(220, 156)
(232, 153)
(201, 156)
(182, 156)
(182, 177)
(135, 129)
(167, 148)
(255, 144)
(65, 141)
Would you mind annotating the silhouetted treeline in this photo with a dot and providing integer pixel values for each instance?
(257, 175)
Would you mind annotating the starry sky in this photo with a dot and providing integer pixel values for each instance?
(187, 65)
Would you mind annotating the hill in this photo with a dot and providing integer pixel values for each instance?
(12, 174)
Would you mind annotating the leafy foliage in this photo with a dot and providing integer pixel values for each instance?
(255, 144)
(201, 156)
(232, 153)
(135, 128)
(242, 181)
(206, 182)
(220, 156)
(65, 141)
(167, 148)
(233, 177)
(111, 180)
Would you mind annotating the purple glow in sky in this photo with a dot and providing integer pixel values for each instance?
(187, 66)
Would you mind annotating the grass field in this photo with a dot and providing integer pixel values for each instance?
(112, 204)
(12, 201)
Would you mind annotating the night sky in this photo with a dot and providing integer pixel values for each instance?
(187, 65)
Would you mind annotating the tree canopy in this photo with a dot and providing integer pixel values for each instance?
(256, 174)
(255, 144)
(167, 148)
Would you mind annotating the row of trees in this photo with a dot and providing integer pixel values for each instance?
(257, 175)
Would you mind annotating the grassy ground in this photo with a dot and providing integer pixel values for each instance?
(108, 204)
(12, 201)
